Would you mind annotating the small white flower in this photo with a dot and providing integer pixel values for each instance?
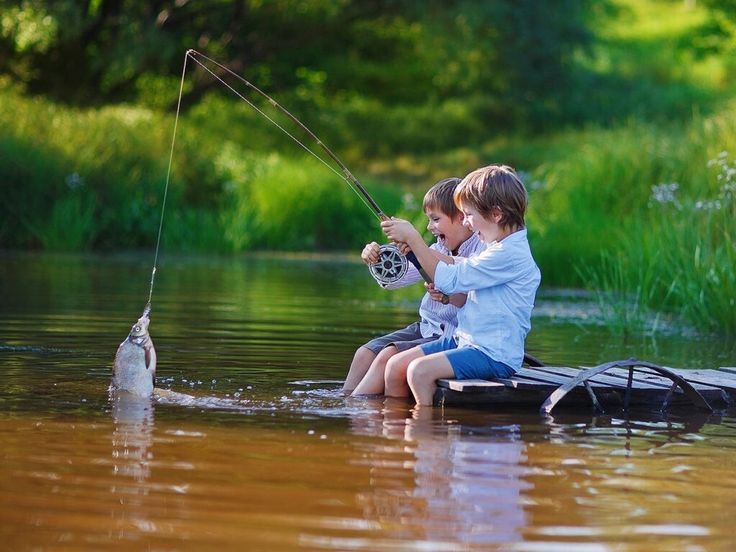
(74, 181)
(665, 193)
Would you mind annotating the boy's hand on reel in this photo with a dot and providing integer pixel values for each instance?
(371, 253)
(399, 230)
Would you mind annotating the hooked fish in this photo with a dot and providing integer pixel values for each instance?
(134, 369)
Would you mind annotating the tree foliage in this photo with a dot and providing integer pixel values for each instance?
(512, 59)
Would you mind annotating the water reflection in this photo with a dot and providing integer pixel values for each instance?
(263, 452)
(132, 456)
(437, 483)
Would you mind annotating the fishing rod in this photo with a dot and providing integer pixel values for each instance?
(392, 264)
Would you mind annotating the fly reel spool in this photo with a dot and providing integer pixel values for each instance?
(391, 266)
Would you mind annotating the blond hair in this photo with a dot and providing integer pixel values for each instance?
(494, 186)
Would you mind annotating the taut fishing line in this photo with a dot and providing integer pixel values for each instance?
(392, 264)
(346, 175)
(166, 186)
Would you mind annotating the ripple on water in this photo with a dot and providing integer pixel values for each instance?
(253, 442)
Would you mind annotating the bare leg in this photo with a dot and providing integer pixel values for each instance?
(423, 373)
(395, 379)
(358, 368)
(373, 382)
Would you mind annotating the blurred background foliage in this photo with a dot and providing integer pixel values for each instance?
(601, 106)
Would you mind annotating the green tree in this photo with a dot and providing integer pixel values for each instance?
(510, 59)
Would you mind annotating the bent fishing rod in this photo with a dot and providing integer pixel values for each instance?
(392, 264)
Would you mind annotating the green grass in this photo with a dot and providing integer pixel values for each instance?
(94, 179)
(677, 257)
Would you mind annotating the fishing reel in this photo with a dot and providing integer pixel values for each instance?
(391, 266)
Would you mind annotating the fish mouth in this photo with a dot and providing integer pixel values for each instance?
(140, 328)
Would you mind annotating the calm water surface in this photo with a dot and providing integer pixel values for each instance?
(267, 455)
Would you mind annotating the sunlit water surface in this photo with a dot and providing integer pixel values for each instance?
(268, 455)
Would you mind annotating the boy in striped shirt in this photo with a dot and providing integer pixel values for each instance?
(366, 374)
(501, 282)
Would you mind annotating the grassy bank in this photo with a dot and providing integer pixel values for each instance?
(639, 206)
(94, 179)
(645, 215)
(637, 212)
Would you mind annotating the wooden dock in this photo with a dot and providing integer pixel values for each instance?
(611, 386)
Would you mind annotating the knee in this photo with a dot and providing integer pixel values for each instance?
(414, 372)
(393, 373)
(385, 355)
(363, 355)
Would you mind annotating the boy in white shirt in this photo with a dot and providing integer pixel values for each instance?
(501, 282)
(366, 374)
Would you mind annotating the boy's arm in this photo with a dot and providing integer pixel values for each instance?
(371, 255)
(402, 231)
(456, 299)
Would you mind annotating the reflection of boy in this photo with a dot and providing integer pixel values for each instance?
(501, 282)
(453, 238)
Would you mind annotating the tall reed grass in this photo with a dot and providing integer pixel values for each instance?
(634, 212)
(76, 179)
(645, 215)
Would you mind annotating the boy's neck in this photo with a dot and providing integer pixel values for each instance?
(506, 232)
(456, 249)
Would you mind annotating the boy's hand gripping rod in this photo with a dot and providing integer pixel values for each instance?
(392, 265)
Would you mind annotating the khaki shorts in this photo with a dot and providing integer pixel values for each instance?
(403, 339)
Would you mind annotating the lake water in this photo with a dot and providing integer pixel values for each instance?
(268, 455)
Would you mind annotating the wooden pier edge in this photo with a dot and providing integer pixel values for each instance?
(629, 383)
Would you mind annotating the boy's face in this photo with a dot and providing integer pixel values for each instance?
(488, 228)
(446, 228)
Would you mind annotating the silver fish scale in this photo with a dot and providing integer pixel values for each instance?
(130, 372)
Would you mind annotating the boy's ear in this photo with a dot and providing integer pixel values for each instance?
(497, 214)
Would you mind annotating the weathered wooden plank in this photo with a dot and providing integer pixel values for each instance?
(724, 380)
(531, 386)
(656, 379)
(470, 385)
(714, 394)
(653, 390)
(498, 396)
(538, 386)
(610, 380)
(556, 379)
(506, 397)
(486, 386)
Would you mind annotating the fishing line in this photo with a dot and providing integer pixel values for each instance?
(346, 175)
(168, 178)
(392, 264)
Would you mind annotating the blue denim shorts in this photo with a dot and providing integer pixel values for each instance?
(468, 362)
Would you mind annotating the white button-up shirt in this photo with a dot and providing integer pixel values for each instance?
(438, 319)
(501, 282)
